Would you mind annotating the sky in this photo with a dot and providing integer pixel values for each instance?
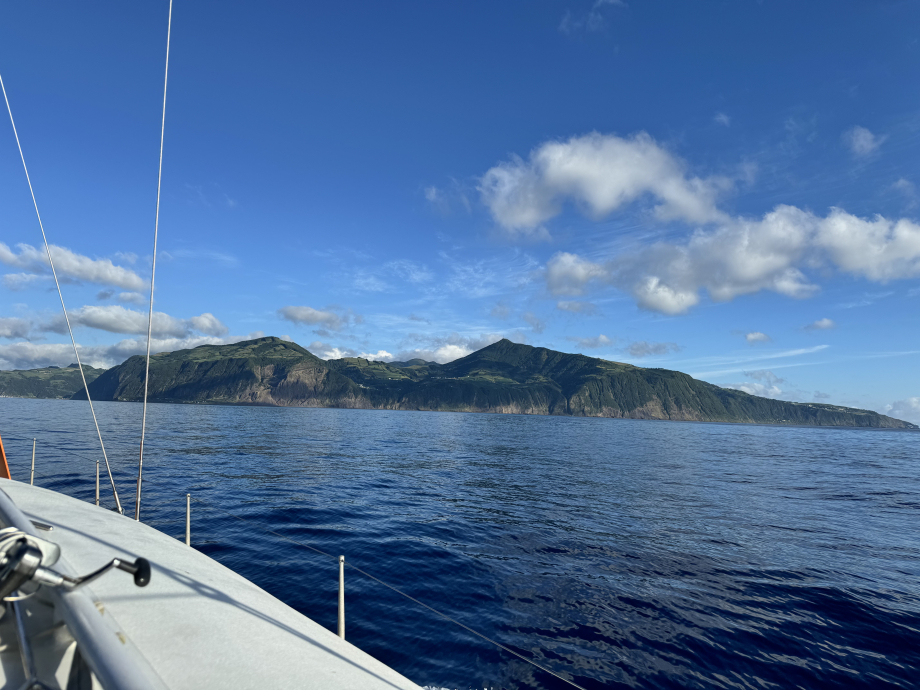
(729, 189)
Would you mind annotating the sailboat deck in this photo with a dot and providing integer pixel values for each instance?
(197, 624)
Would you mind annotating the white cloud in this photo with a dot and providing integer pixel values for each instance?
(309, 316)
(537, 324)
(576, 307)
(765, 384)
(327, 351)
(907, 410)
(600, 173)
(70, 265)
(14, 328)
(821, 325)
(567, 274)
(592, 343)
(723, 119)
(878, 249)
(861, 141)
(731, 257)
(908, 189)
(765, 376)
(447, 348)
(745, 256)
(117, 319)
(379, 356)
(757, 337)
(21, 281)
(753, 388)
(643, 348)
(131, 298)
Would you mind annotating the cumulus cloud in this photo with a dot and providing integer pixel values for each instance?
(746, 256)
(21, 281)
(726, 257)
(131, 298)
(14, 328)
(765, 384)
(591, 343)
(757, 337)
(907, 410)
(821, 325)
(600, 173)
(754, 388)
(576, 307)
(644, 348)
(862, 142)
(765, 376)
(379, 356)
(445, 348)
(568, 274)
(308, 316)
(908, 189)
(327, 351)
(117, 319)
(536, 323)
(70, 265)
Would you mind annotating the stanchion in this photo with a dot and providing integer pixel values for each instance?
(32, 475)
(342, 597)
(188, 519)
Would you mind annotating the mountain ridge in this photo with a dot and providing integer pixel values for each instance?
(504, 377)
(45, 382)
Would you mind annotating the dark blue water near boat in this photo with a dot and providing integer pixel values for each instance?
(619, 553)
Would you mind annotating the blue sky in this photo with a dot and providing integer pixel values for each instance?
(730, 189)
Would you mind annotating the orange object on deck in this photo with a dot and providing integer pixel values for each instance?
(4, 468)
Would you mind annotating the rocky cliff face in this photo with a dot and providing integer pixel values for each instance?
(502, 378)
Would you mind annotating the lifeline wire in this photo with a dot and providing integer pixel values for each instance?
(66, 318)
(153, 271)
(398, 591)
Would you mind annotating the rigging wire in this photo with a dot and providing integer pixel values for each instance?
(66, 317)
(391, 587)
(153, 271)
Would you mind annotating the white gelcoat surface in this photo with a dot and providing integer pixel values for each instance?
(197, 623)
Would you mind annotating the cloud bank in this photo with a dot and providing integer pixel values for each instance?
(724, 257)
(69, 265)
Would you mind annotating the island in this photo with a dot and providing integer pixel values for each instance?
(504, 377)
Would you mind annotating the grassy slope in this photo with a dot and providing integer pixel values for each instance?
(503, 377)
(252, 372)
(49, 382)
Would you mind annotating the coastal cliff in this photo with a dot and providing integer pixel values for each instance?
(502, 378)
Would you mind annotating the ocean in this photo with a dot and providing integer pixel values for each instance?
(618, 553)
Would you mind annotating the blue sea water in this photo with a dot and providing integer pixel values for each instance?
(619, 553)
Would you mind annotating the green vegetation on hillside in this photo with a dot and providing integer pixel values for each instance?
(48, 382)
(503, 377)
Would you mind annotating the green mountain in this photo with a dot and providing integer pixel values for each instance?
(49, 382)
(503, 377)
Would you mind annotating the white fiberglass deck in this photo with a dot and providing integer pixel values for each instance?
(197, 624)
